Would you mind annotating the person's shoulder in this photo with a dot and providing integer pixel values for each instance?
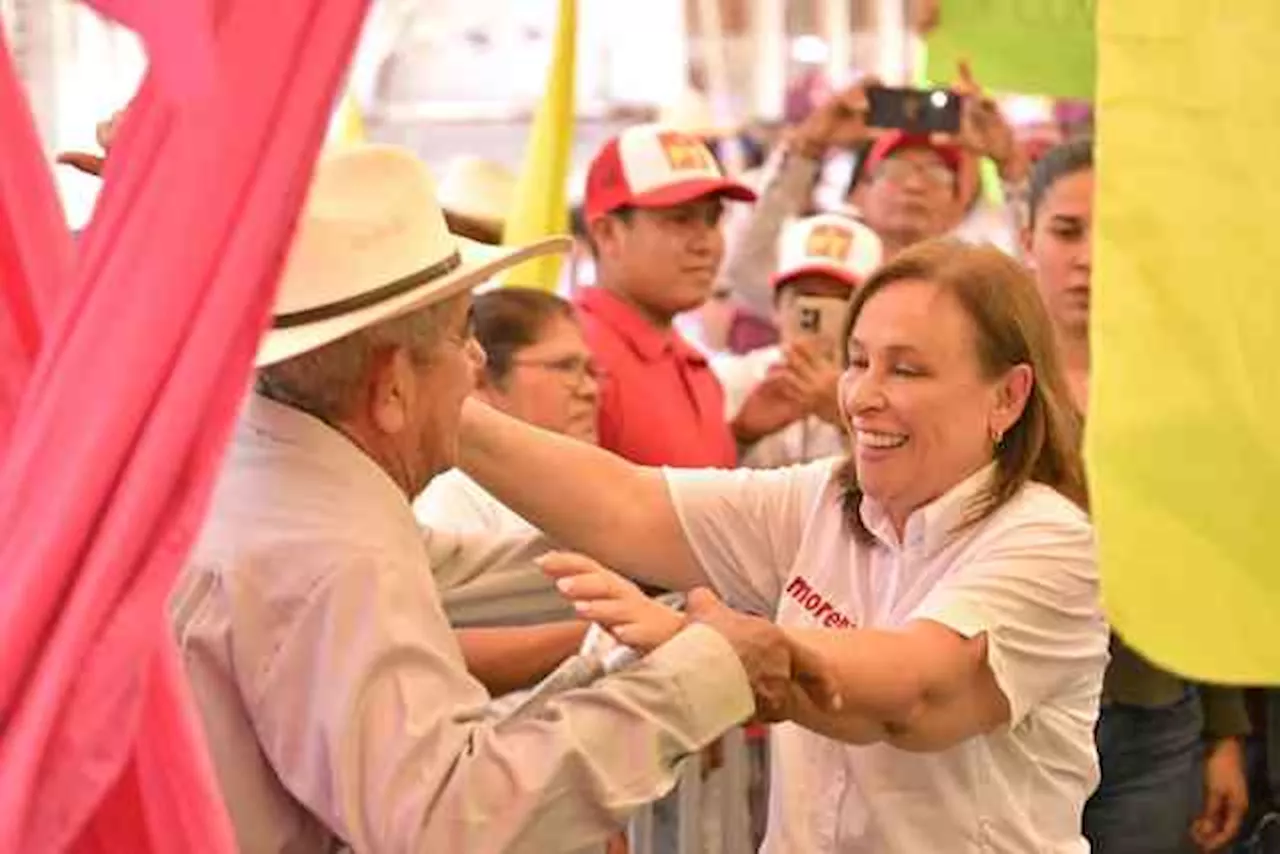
(808, 481)
(1038, 503)
(1040, 522)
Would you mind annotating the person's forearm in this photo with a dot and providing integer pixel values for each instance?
(874, 670)
(583, 497)
(843, 726)
(751, 250)
(899, 687)
(513, 658)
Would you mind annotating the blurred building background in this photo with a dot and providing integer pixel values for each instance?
(451, 76)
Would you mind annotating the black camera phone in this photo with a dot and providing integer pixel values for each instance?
(914, 110)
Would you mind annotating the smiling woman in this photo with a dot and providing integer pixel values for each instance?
(953, 369)
(942, 579)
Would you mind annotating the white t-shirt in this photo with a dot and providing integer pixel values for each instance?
(776, 542)
(455, 502)
(803, 441)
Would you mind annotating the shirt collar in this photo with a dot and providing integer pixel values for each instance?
(647, 342)
(287, 428)
(931, 526)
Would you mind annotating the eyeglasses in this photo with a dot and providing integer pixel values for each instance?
(573, 368)
(898, 171)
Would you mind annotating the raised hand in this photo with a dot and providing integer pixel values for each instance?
(839, 122)
(813, 377)
(773, 404)
(984, 130)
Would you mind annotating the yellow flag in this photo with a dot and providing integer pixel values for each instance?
(541, 207)
(347, 126)
(1184, 421)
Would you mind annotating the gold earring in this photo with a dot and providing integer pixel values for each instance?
(996, 437)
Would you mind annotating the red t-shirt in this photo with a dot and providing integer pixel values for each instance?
(660, 404)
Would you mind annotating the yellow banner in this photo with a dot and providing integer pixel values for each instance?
(541, 202)
(1184, 421)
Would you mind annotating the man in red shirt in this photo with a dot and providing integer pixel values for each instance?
(653, 205)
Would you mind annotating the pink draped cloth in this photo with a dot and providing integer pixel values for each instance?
(122, 367)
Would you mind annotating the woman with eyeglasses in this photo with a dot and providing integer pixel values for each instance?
(539, 370)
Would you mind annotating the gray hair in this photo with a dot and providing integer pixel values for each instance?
(327, 382)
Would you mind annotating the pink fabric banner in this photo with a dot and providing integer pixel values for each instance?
(35, 248)
(118, 424)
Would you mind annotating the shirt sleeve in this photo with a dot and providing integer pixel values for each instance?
(490, 580)
(751, 248)
(1034, 591)
(1225, 713)
(745, 526)
(368, 716)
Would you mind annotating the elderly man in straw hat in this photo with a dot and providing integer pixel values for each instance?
(336, 702)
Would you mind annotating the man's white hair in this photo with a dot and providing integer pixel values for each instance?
(327, 382)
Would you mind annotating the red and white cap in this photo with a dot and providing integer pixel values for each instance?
(829, 244)
(651, 166)
(893, 141)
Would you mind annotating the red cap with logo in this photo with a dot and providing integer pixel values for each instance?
(649, 166)
(832, 245)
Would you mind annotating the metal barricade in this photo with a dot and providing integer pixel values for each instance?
(713, 814)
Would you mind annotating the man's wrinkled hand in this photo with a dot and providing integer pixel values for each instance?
(762, 647)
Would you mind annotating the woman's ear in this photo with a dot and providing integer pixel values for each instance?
(1012, 394)
(1024, 244)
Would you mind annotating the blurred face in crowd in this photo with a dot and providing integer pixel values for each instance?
(662, 260)
(1059, 248)
(552, 383)
(921, 408)
(415, 400)
(908, 197)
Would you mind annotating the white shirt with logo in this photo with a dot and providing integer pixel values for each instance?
(776, 542)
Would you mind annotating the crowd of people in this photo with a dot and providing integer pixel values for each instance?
(878, 517)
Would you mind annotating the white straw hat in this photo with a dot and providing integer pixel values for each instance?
(481, 189)
(372, 244)
(690, 112)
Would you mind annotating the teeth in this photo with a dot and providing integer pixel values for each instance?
(876, 439)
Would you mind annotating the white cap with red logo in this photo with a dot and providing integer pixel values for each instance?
(829, 244)
(651, 166)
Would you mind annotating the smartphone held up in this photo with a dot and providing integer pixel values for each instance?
(916, 111)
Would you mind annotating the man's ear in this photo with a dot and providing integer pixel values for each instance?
(392, 390)
(606, 235)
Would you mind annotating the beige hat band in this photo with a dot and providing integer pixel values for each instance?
(357, 302)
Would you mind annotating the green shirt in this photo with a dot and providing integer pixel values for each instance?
(1131, 680)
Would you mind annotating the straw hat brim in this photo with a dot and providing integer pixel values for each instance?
(280, 344)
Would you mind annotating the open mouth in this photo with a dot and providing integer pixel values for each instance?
(879, 440)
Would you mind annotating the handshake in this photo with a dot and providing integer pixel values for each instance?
(784, 676)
